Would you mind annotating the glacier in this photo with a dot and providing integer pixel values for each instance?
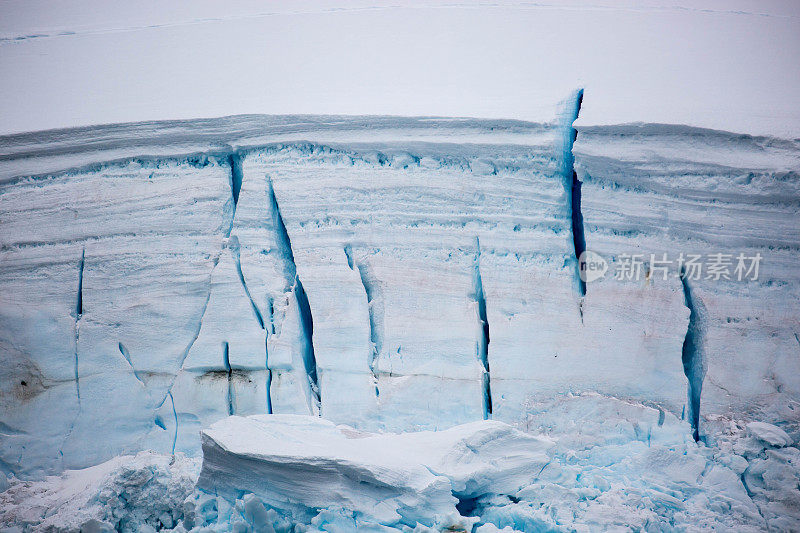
(381, 283)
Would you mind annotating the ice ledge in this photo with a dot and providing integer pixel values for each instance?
(53, 151)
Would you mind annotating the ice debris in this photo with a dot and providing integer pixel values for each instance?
(770, 434)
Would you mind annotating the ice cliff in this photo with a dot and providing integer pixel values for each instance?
(391, 274)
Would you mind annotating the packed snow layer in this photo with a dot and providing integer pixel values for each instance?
(576, 463)
(386, 273)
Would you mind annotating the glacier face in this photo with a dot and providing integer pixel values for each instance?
(385, 273)
(676, 190)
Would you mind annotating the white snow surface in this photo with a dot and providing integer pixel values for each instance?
(723, 64)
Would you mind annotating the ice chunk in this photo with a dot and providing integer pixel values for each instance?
(773, 482)
(299, 464)
(770, 434)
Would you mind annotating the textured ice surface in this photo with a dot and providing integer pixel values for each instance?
(125, 493)
(770, 434)
(669, 189)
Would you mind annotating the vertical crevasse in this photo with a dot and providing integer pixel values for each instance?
(235, 248)
(197, 330)
(78, 312)
(692, 354)
(348, 253)
(573, 185)
(235, 162)
(307, 329)
(295, 287)
(375, 337)
(271, 310)
(78, 315)
(270, 331)
(269, 375)
(237, 178)
(282, 237)
(483, 337)
(127, 356)
(374, 310)
(175, 414)
(235, 183)
(226, 362)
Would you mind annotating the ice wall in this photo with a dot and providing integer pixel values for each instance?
(669, 190)
(388, 273)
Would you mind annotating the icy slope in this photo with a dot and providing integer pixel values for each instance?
(387, 273)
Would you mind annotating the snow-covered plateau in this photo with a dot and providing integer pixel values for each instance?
(330, 323)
